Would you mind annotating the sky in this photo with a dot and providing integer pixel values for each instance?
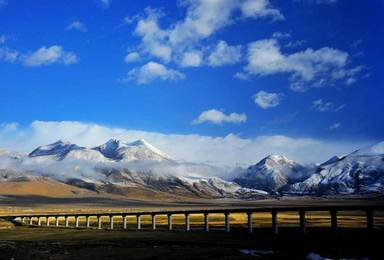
(219, 81)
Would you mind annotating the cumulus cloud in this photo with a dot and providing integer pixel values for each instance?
(8, 55)
(153, 71)
(77, 25)
(222, 150)
(224, 54)
(267, 99)
(50, 55)
(321, 105)
(3, 39)
(203, 18)
(191, 59)
(132, 57)
(215, 116)
(308, 68)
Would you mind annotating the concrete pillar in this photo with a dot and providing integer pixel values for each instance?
(125, 222)
(334, 220)
(138, 222)
(77, 218)
(111, 222)
(169, 221)
(88, 222)
(187, 224)
(370, 219)
(39, 221)
(226, 220)
(153, 222)
(250, 222)
(206, 222)
(66, 221)
(99, 224)
(302, 222)
(275, 228)
(57, 221)
(31, 221)
(47, 221)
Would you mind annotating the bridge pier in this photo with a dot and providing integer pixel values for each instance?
(206, 222)
(99, 224)
(39, 221)
(334, 220)
(47, 221)
(111, 222)
(138, 222)
(57, 221)
(125, 222)
(77, 221)
(153, 222)
(187, 223)
(275, 228)
(169, 222)
(226, 220)
(250, 222)
(66, 221)
(88, 222)
(31, 221)
(370, 219)
(302, 222)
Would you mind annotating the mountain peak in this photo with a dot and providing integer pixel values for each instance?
(58, 149)
(138, 150)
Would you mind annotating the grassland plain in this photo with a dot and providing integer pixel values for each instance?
(22, 242)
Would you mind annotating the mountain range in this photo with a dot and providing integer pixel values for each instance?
(120, 167)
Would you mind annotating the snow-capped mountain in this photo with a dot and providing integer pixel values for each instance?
(139, 150)
(272, 173)
(118, 166)
(359, 172)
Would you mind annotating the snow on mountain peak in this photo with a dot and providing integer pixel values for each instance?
(137, 150)
(57, 150)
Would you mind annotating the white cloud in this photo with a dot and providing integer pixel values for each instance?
(226, 150)
(308, 68)
(280, 35)
(321, 105)
(341, 107)
(266, 99)
(105, 3)
(77, 25)
(152, 71)
(8, 55)
(217, 117)
(260, 8)
(224, 54)
(203, 18)
(132, 57)
(334, 126)
(49, 55)
(191, 59)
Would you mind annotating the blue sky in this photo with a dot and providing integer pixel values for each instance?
(302, 69)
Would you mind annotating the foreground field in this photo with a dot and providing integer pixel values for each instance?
(52, 243)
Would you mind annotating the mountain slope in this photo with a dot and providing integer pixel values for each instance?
(272, 173)
(359, 172)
